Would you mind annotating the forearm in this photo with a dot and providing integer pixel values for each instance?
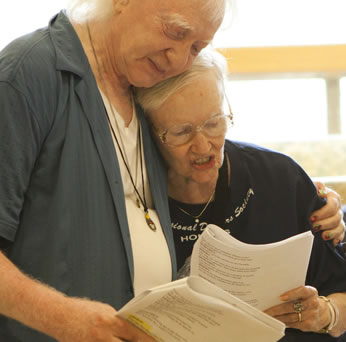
(339, 301)
(64, 318)
(30, 302)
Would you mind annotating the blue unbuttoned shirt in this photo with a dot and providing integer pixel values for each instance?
(61, 196)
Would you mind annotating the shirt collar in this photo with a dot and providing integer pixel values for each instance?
(70, 55)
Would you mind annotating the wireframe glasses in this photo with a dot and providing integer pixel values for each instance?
(181, 134)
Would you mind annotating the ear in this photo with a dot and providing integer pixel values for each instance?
(119, 5)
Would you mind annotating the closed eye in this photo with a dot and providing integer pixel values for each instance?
(181, 130)
(175, 32)
(197, 48)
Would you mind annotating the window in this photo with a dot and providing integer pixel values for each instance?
(285, 98)
(278, 110)
(343, 104)
(287, 83)
(284, 22)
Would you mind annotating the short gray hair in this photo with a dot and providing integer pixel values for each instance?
(207, 61)
(88, 10)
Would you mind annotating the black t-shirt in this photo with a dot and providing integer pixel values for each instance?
(223, 211)
(267, 199)
(185, 229)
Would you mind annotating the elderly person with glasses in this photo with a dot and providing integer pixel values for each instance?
(257, 195)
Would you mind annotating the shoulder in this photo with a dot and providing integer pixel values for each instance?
(258, 154)
(39, 56)
(28, 78)
(26, 55)
(36, 69)
(274, 170)
(267, 166)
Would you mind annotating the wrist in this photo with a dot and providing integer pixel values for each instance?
(334, 316)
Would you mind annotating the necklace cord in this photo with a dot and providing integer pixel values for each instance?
(143, 200)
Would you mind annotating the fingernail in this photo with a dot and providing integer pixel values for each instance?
(313, 218)
(326, 236)
(317, 227)
(321, 192)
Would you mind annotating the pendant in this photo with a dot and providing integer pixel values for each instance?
(150, 223)
(197, 220)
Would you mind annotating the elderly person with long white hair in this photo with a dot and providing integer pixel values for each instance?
(84, 219)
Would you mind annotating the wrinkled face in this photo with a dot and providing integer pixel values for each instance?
(158, 39)
(200, 159)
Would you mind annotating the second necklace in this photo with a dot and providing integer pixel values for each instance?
(196, 217)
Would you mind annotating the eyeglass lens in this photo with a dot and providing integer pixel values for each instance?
(181, 134)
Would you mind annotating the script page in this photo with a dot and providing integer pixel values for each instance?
(194, 310)
(257, 274)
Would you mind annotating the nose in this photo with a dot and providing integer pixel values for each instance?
(179, 57)
(200, 143)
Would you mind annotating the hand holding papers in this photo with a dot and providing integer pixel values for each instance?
(194, 310)
(213, 304)
(257, 274)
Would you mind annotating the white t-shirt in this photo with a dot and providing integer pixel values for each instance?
(152, 262)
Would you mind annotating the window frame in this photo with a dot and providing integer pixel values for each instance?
(322, 61)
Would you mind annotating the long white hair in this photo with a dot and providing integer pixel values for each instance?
(88, 10)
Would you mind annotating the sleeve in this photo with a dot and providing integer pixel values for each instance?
(20, 138)
(306, 196)
(327, 267)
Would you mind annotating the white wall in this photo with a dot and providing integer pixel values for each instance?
(18, 17)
